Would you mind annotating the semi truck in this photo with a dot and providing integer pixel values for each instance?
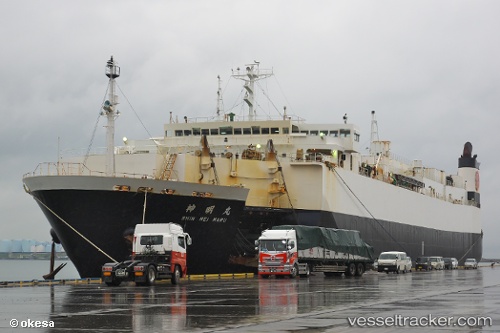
(158, 252)
(291, 250)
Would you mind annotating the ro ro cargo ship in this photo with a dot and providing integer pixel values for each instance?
(228, 177)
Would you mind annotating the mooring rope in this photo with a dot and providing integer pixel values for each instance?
(470, 248)
(373, 217)
(76, 231)
(144, 209)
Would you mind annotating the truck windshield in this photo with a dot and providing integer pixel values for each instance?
(272, 245)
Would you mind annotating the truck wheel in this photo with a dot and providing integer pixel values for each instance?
(351, 269)
(151, 278)
(264, 276)
(308, 272)
(360, 269)
(293, 272)
(176, 277)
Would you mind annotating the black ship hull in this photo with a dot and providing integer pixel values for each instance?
(90, 220)
(381, 235)
(218, 237)
(89, 216)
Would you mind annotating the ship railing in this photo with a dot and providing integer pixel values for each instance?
(75, 169)
(59, 168)
(118, 150)
(226, 118)
(309, 158)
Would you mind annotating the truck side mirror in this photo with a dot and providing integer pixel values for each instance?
(256, 242)
(189, 240)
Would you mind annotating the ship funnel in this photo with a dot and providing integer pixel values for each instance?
(468, 169)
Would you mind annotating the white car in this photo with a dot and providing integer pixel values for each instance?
(436, 262)
(394, 261)
(470, 263)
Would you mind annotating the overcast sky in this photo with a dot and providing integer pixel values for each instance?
(430, 69)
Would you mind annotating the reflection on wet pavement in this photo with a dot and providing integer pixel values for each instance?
(256, 305)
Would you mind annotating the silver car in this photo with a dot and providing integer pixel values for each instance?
(450, 263)
(470, 263)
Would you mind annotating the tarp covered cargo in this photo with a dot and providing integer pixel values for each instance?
(339, 240)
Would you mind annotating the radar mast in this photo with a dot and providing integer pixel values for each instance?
(253, 74)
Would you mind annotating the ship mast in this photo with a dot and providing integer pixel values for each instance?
(374, 134)
(219, 98)
(112, 72)
(253, 74)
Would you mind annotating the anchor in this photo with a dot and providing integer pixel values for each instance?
(53, 272)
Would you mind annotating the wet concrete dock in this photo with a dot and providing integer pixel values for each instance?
(438, 301)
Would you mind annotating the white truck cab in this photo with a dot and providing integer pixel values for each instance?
(158, 252)
(160, 238)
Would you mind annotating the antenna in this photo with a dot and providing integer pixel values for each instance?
(374, 133)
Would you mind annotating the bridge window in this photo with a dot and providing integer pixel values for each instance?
(214, 131)
(226, 130)
(255, 129)
(187, 132)
(196, 131)
(345, 133)
(204, 131)
(313, 132)
(275, 130)
(265, 130)
(237, 131)
(178, 133)
(247, 130)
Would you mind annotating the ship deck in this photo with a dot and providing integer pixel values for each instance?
(255, 305)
